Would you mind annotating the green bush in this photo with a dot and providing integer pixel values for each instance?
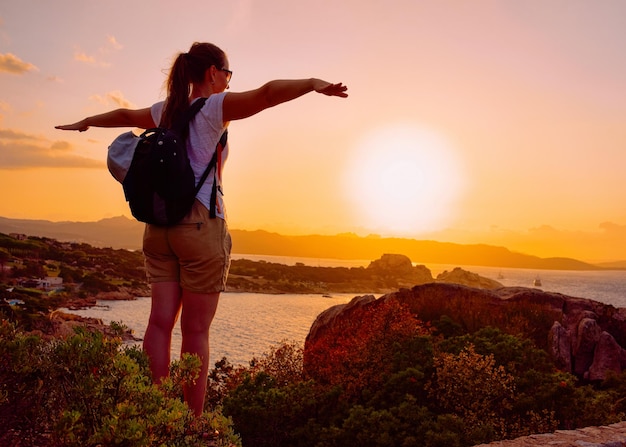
(387, 380)
(89, 390)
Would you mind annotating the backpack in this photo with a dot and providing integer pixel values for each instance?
(155, 172)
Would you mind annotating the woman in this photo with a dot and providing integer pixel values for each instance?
(187, 264)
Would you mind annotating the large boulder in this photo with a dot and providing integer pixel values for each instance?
(608, 356)
(393, 263)
(401, 268)
(587, 338)
(460, 276)
(560, 346)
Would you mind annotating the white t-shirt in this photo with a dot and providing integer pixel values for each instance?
(205, 131)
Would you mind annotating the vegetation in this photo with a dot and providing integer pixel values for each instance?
(86, 390)
(385, 378)
(88, 271)
(35, 256)
(449, 376)
(271, 277)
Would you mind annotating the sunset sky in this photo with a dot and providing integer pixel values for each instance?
(476, 121)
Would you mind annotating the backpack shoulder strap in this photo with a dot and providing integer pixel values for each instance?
(221, 144)
(181, 124)
(194, 108)
(218, 148)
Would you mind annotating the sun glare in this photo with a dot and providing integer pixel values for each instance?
(403, 180)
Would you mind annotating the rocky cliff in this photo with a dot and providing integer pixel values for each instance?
(583, 336)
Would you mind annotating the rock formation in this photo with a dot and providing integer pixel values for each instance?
(460, 276)
(583, 336)
(400, 267)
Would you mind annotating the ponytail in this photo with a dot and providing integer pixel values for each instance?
(178, 90)
(188, 69)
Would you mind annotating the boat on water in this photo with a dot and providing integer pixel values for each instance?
(537, 282)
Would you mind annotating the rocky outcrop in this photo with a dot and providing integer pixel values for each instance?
(583, 336)
(608, 356)
(400, 267)
(585, 342)
(560, 346)
(460, 276)
(63, 325)
(333, 316)
(608, 436)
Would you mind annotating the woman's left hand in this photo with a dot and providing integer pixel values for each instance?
(326, 88)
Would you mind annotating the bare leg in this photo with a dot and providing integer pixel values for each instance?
(198, 312)
(166, 303)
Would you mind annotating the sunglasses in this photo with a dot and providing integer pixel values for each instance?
(229, 73)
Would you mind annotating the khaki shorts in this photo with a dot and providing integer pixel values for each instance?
(194, 253)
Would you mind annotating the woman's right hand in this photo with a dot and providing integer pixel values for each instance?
(79, 126)
(141, 118)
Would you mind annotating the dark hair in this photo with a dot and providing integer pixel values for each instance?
(188, 68)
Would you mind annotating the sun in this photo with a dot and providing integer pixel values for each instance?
(403, 180)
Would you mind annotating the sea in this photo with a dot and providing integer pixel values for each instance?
(249, 325)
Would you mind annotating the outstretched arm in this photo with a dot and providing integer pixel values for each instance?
(141, 118)
(242, 105)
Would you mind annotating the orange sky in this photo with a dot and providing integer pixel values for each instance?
(468, 121)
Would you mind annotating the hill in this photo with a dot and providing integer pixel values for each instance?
(419, 251)
(115, 232)
(615, 265)
(121, 232)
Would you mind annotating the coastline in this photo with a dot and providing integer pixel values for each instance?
(386, 275)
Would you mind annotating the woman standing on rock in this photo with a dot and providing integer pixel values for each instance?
(187, 264)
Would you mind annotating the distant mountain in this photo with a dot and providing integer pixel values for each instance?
(419, 251)
(615, 265)
(115, 232)
(122, 232)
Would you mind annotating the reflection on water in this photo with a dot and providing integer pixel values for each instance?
(246, 324)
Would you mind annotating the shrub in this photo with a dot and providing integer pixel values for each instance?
(268, 414)
(474, 388)
(359, 354)
(88, 390)
(269, 401)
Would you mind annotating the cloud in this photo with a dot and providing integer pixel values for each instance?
(116, 97)
(19, 150)
(111, 45)
(5, 107)
(81, 56)
(10, 63)
(612, 228)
